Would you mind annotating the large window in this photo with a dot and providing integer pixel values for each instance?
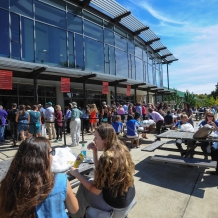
(24, 7)
(131, 47)
(50, 45)
(150, 74)
(71, 50)
(109, 60)
(158, 81)
(27, 40)
(79, 52)
(145, 72)
(73, 9)
(92, 18)
(94, 55)
(121, 63)
(139, 69)
(15, 36)
(93, 30)
(4, 33)
(75, 23)
(138, 52)
(132, 67)
(108, 37)
(4, 4)
(120, 42)
(50, 15)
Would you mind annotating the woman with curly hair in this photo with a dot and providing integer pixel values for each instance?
(30, 189)
(113, 184)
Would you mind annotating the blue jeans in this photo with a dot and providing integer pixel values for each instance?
(2, 133)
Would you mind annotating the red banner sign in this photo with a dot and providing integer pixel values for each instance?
(128, 90)
(65, 84)
(6, 79)
(104, 87)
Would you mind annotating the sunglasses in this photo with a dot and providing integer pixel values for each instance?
(210, 115)
(52, 152)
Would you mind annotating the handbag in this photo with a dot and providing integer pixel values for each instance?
(92, 212)
(203, 132)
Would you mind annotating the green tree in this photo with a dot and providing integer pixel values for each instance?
(215, 92)
(190, 98)
(174, 97)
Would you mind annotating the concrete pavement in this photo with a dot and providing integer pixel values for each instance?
(162, 190)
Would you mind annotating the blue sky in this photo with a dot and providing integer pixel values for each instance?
(189, 29)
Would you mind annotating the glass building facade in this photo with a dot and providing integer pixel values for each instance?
(60, 34)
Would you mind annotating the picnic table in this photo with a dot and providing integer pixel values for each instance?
(188, 136)
(84, 168)
(198, 115)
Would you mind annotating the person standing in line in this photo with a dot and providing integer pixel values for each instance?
(139, 109)
(125, 107)
(22, 120)
(3, 114)
(11, 118)
(68, 117)
(75, 124)
(58, 123)
(93, 117)
(34, 120)
(85, 118)
(143, 112)
(158, 119)
(49, 117)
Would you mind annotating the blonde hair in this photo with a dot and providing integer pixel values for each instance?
(58, 107)
(184, 115)
(94, 108)
(115, 168)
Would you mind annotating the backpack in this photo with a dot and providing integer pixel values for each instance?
(203, 132)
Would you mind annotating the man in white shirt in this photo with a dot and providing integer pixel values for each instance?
(49, 119)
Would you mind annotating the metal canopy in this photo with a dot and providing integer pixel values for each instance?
(118, 13)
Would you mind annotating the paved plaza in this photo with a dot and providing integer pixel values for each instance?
(162, 190)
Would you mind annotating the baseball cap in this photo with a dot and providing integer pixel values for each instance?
(49, 103)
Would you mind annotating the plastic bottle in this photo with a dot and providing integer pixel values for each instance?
(196, 125)
(179, 126)
(83, 150)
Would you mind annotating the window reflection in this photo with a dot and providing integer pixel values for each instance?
(138, 52)
(15, 50)
(109, 60)
(50, 15)
(57, 3)
(4, 34)
(94, 58)
(145, 56)
(4, 4)
(139, 69)
(15, 28)
(131, 47)
(150, 74)
(158, 78)
(74, 9)
(92, 17)
(120, 42)
(24, 7)
(71, 50)
(79, 52)
(108, 37)
(50, 45)
(121, 63)
(145, 72)
(75, 23)
(27, 40)
(92, 30)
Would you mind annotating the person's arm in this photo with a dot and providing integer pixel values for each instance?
(29, 118)
(71, 201)
(17, 115)
(88, 184)
(73, 115)
(191, 114)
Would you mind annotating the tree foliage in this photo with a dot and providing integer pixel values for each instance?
(190, 98)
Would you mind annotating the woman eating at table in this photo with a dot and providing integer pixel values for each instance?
(208, 119)
(30, 189)
(113, 184)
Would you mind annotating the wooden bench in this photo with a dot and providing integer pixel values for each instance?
(153, 146)
(126, 139)
(185, 161)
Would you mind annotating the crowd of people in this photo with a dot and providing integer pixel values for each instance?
(26, 121)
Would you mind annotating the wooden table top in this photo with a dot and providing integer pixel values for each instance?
(175, 134)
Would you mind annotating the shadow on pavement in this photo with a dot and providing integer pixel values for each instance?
(187, 180)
